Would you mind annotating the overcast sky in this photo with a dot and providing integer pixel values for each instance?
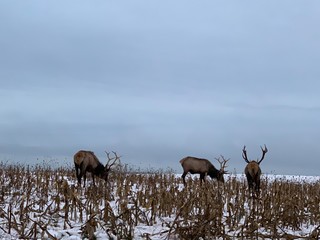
(156, 81)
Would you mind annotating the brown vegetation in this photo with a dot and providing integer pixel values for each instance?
(34, 201)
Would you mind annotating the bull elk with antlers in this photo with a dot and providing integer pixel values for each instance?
(253, 170)
(86, 161)
(203, 167)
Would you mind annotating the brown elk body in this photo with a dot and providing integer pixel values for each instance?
(203, 167)
(253, 170)
(86, 161)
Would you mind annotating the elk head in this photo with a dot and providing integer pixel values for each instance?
(222, 161)
(252, 169)
(110, 163)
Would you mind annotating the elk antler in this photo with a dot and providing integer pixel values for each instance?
(244, 154)
(223, 163)
(115, 158)
(264, 151)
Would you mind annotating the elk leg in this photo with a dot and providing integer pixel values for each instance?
(93, 179)
(202, 175)
(84, 179)
(83, 173)
(183, 177)
(250, 181)
(79, 179)
(76, 167)
(257, 187)
(77, 173)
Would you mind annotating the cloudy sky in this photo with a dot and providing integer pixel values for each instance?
(156, 81)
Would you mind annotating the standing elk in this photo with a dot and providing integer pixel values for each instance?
(253, 170)
(203, 167)
(86, 161)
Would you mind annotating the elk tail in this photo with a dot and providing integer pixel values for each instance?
(253, 172)
(182, 160)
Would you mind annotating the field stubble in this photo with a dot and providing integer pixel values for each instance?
(41, 202)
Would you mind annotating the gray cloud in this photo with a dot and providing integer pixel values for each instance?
(158, 81)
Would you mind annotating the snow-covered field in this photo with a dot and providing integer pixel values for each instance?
(47, 204)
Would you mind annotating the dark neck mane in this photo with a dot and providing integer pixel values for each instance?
(99, 169)
(213, 172)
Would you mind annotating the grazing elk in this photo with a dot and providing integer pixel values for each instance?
(253, 170)
(203, 167)
(86, 161)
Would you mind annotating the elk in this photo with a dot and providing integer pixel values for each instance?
(203, 167)
(86, 161)
(253, 170)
